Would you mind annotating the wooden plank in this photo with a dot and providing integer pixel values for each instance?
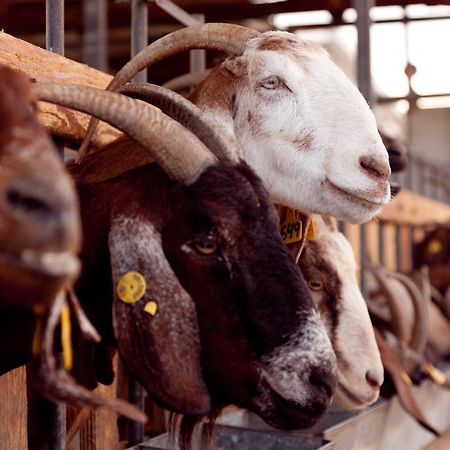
(45, 66)
(413, 209)
(13, 410)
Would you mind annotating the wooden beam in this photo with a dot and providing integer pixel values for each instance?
(45, 66)
(409, 208)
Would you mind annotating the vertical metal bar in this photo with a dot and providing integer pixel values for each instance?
(411, 242)
(54, 41)
(197, 58)
(54, 23)
(363, 23)
(139, 33)
(95, 34)
(364, 78)
(398, 248)
(136, 397)
(381, 254)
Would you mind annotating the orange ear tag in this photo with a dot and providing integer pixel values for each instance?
(131, 287)
(311, 233)
(291, 229)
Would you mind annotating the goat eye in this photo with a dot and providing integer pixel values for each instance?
(315, 285)
(207, 246)
(272, 82)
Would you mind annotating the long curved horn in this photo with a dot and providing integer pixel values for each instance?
(218, 36)
(398, 328)
(186, 81)
(188, 115)
(178, 151)
(419, 333)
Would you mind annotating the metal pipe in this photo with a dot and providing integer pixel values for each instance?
(363, 23)
(363, 257)
(95, 34)
(136, 397)
(54, 42)
(197, 58)
(54, 26)
(139, 33)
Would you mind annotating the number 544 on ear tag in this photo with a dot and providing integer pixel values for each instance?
(291, 229)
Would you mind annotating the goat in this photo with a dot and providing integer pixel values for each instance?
(40, 234)
(39, 219)
(207, 236)
(328, 265)
(327, 259)
(302, 126)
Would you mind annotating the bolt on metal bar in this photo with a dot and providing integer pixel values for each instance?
(139, 33)
(136, 397)
(95, 34)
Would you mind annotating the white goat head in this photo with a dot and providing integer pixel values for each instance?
(303, 127)
(329, 267)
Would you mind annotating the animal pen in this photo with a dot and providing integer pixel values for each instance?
(403, 252)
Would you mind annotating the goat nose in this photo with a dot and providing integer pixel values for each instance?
(26, 199)
(377, 170)
(43, 211)
(374, 378)
(323, 380)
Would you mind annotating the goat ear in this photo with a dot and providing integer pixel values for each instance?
(154, 319)
(237, 65)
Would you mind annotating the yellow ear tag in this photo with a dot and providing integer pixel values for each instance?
(434, 247)
(291, 229)
(131, 287)
(406, 378)
(151, 307)
(66, 337)
(435, 374)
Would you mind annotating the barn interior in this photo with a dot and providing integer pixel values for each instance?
(395, 53)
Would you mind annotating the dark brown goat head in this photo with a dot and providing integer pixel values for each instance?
(215, 242)
(39, 221)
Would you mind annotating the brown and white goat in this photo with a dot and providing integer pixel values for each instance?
(329, 267)
(208, 246)
(301, 124)
(327, 263)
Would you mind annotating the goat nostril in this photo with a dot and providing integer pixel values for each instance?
(323, 381)
(374, 168)
(26, 202)
(373, 379)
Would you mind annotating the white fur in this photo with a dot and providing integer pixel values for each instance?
(287, 368)
(354, 339)
(319, 101)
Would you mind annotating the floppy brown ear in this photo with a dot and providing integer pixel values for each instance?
(154, 319)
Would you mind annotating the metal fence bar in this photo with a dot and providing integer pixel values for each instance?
(54, 41)
(136, 397)
(139, 33)
(95, 34)
(197, 58)
(364, 78)
(54, 26)
(178, 13)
